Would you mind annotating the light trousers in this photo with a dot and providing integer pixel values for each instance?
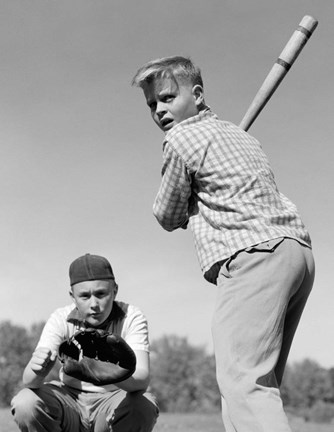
(261, 295)
(58, 408)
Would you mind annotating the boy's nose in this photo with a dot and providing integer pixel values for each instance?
(160, 108)
(94, 303)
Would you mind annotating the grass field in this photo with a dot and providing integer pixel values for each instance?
(184, 423)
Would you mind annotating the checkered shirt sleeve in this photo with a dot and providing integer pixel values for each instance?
(171, 204)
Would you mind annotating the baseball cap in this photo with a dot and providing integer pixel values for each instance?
(90, 267)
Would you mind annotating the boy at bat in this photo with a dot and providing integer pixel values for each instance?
(249, 237)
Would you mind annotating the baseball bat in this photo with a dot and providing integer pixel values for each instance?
(280, 69)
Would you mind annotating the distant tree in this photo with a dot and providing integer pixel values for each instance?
(16, 346)
(183, 376)
(320, 412)
(35, 332)
(208, 394)
(305, 383)
(15, 351)
(331, 377)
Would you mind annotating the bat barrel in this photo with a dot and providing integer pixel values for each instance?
(280, 69)
(298, 40)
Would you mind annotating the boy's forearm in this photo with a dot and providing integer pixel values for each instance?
(139, 381)
(141, 377)
(31, 379)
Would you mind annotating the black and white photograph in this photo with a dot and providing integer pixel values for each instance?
(166, 216)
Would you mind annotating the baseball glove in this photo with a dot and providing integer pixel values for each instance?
(97, 356)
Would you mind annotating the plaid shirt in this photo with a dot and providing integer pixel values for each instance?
(216, 177)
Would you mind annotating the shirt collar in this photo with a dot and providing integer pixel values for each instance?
(116, 314)
(204, 114)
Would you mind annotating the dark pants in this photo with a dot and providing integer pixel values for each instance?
(55, 407)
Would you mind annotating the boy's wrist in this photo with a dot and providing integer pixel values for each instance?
(33, 381)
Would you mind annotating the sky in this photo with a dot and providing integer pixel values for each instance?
(81, 157)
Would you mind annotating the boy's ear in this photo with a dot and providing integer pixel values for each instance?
(115, 288)
(198, 94)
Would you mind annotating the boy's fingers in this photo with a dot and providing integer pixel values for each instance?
(53, 356)
(43, 352)
(38, 357)
(43, 356)
(43, 360)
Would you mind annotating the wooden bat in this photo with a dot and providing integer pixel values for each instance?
(280, 69)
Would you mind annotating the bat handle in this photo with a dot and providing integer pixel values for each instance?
(280, 69)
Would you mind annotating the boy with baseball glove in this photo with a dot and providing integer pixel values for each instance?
(250, 240)
(104, 349)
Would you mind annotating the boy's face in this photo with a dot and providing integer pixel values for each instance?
(172, 101)
(94, 300)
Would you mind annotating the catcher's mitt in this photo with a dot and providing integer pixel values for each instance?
(97, 356)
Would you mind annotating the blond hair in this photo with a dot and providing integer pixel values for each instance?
(175, 67)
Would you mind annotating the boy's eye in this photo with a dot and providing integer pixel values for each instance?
(101, 293)
(168, 98)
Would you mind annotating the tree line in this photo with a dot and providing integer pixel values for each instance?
(183, 375)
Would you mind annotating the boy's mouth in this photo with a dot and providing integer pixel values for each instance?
(95, 315)
(166, 123)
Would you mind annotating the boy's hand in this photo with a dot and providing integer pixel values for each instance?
(42, 361)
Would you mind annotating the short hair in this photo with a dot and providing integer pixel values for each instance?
(168, 67)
